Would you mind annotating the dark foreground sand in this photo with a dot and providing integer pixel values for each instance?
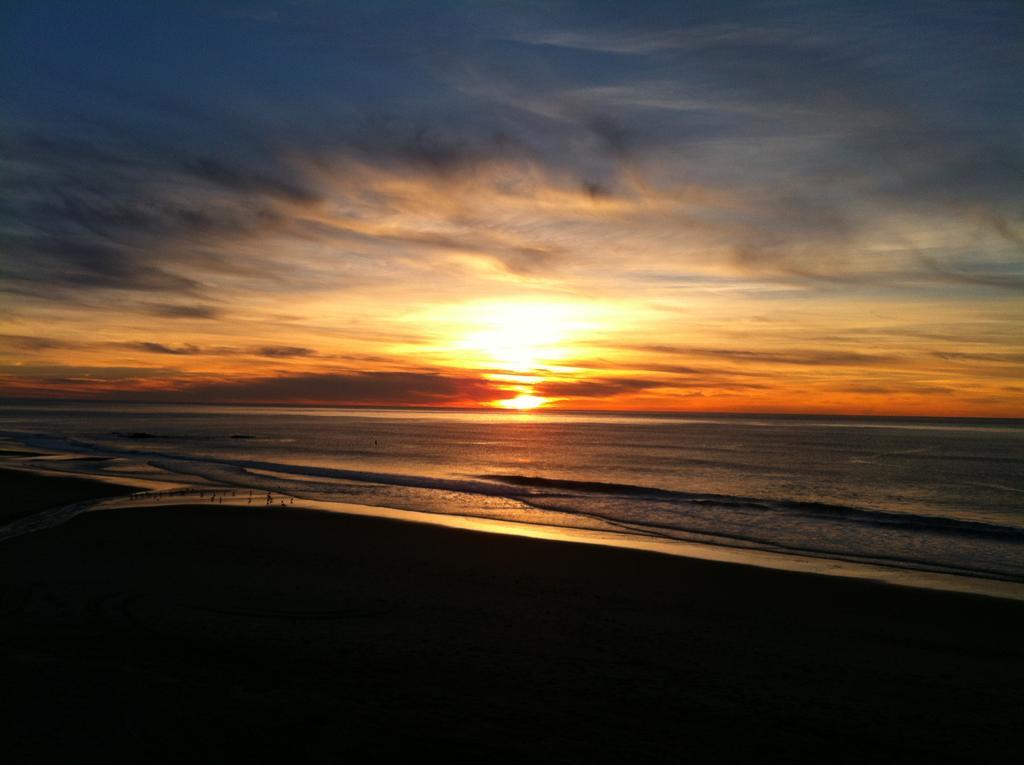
(24, 493)
(195, 633)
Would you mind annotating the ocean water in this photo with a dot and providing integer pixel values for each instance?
(941, 495)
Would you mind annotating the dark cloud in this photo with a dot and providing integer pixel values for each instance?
(188, 349)
(118, 213)
(999, 358)
(343, 388)
(248, 181)
(361, 388)
(70, 378)
(898, 390)
(284, 351)
(856, 124)
(438, 145)
(32, 343)
(111, 215)
(720, 375)
(797, 357)
(182, 350)
(594, 388)
(45, 265)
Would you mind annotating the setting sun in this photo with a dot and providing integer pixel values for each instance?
(520, 337)
(517, 346)
(523, 402)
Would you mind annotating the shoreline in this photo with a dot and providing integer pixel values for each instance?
(733, 556)
(225, 628)
(872, 571)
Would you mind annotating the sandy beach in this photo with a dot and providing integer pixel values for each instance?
(25, 493)
(203, 631)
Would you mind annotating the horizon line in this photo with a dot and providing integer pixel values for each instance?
(509, 412)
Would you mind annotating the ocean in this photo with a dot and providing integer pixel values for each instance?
(915, 494)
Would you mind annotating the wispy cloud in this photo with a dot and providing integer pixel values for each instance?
(286, 188)
(798, 357)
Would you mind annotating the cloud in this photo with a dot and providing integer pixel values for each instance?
(247, 181)
(999, 358)
(837, 134)
(175, 311)
(946, 273)
(798, 357)
(190, 349)
(363, 388)
(182, 350)
(285, 351)
(328, 388)
(317, 182)
(899, 390)
(812, 157)
(83, 215)
(32, 343)
(600, 388)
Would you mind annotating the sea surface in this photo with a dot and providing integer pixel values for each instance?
(939, 495)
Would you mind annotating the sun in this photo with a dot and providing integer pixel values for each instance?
(519, 345)
(522, 402)
(520, 337)
(520, 342)
(511, 336)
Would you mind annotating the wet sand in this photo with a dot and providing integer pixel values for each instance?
(25, 493)
(202, 631)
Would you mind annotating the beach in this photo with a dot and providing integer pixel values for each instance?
(569, 382)
(202, 631)
(25, 494)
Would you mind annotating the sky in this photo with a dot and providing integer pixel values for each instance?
(774, 206)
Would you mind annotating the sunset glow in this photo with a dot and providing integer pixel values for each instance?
(566, 381)
(522, 402)
(551, 206)
(518, 338)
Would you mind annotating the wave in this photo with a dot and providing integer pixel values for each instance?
(58, 443)
(538, 491)
(829, 511)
